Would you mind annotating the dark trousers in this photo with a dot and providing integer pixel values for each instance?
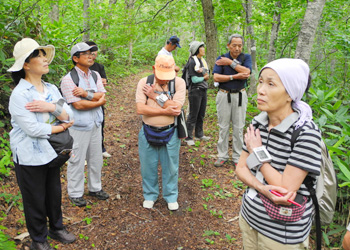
(41, 193)
(198, 102)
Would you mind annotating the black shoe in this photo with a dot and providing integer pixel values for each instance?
(79, 202)
(101, 195)
(62, 235)
(40, 246)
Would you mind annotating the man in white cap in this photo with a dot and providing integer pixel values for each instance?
(158, 138)
(85, 100)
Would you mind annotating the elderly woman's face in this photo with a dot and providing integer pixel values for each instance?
(272, 96)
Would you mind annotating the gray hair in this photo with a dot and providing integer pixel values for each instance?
(235, 36)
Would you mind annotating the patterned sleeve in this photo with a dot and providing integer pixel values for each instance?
(67, 86)
(306, 153)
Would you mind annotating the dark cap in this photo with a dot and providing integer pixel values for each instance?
(175, 40)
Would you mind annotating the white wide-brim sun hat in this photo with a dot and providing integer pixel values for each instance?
(24, 48)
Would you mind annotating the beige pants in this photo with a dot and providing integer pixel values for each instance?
(253, 240)
(230, 113)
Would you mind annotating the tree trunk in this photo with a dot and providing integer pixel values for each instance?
(54, 13)
(129, 9)
(86, 36)
(274, 31)
(308, 29)
(252, 47)
(210, 32)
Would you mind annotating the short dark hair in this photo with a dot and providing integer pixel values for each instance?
(77, 54)
(197, 51)
(235, 36)
(18, 75)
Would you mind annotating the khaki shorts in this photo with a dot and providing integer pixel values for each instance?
(253, 240)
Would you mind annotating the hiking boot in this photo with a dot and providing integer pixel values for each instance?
(79, 202)
(62, 235)
(190, 142)
(40, 246)
(148, 204)
(101, 195)
(203, 138)
(106, 154)
(172, 206)
(219, 163)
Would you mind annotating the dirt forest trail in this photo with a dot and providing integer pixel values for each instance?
(209, 197)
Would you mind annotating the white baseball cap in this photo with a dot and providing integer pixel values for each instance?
(80, 47)
(24, 48)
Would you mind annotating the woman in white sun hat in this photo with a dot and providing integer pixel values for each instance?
(36, 113)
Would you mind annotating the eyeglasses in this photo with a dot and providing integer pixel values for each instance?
(94, 53)
(86, 53)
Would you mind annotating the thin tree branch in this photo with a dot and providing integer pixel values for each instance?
(325, 58)
(288, 44)
(138, 9)
(28, 9)
(147, 21)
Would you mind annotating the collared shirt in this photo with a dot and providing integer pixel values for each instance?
(228, 70)
(84, 120)
(306, 155)
(163, 51)
(30, 130)
(67, 85)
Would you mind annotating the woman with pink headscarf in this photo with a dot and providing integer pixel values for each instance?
(277, 209)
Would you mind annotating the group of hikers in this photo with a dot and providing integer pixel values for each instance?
(264, 158)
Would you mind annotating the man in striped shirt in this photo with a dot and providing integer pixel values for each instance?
(86, 101)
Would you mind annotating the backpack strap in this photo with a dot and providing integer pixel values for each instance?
(150, 80)
(75, 77)
(309, 184)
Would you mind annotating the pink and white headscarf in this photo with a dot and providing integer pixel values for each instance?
(294, 74)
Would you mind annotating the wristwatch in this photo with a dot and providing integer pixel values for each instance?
(236, 61)
(161, 99)
(231, 77)
(259, 156)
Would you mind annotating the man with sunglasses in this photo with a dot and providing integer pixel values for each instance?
(85, 101)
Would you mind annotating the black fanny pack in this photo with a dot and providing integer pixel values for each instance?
(158, 136)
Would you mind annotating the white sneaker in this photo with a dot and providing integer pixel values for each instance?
(173, 206)
(148, 204)
(106, 155)
(203, 138)
(190, 142)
